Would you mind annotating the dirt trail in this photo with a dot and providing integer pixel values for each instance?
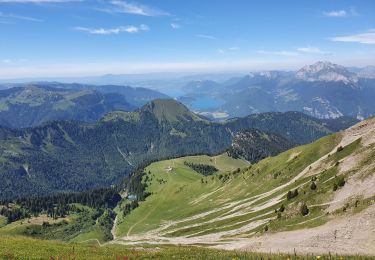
(348, 234)
(345, 235)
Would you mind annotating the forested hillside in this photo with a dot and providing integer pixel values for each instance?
(72, 156)
(255, 145)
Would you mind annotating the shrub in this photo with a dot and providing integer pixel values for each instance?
(340, 148)
(313, 186)
(304, 209)
(341, 181)
(292, 194)
(289, 195)
(282, 208)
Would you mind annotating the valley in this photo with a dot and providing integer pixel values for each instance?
(224, 203)
(234, 130)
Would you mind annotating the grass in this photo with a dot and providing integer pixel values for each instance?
(170, 198)
(77, 227)
(226, 202)
(27, 248)
(183, 193)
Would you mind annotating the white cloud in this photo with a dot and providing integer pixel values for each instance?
(278, 53)
(226, 50)
(117, 30)
(175, 26)
(19, 17)
(336, 13)
(205, 36)
(364, 38)
(341, 13)
(134, 8)
(311, 50)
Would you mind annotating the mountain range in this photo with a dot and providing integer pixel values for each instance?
(322, 90)
(71, 156)
(27, 105)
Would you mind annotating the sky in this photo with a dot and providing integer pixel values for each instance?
(50, 38)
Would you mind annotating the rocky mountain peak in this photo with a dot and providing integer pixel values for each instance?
(326, 71)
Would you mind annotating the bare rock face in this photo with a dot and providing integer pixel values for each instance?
(326, 71)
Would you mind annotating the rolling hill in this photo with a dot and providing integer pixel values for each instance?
(71, 156)
(34, 105)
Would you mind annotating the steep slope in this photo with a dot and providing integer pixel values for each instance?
(254, 145)
(73, 156)
(318, 194)
(170, 111)
(34, 105)
(295, 126)
(327, 72)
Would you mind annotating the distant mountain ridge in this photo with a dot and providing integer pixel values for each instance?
(323, 90)
(34, 105)
(326, 71)
(29, 105)
(73, 156)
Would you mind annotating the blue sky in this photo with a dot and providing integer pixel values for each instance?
(93, 37)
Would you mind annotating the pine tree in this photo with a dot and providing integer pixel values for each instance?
(304, 209)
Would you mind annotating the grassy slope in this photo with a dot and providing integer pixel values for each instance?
(182, 194)
(27, 248)
(79, 227)
(169, 199)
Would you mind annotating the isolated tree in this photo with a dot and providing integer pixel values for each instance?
(289, 195)
(282, 208)
(304, 209)
(341, 181)
(313, 186)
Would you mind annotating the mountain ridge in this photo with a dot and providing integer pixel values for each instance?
(72, 156)
(323, 90)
